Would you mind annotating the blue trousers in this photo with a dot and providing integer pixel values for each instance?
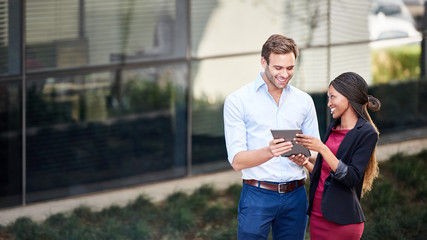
(261, 210)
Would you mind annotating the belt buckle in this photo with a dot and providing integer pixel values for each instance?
(281, 187)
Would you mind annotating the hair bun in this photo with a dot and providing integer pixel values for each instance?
(373, 103)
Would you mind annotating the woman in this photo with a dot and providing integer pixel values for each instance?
(345, 166)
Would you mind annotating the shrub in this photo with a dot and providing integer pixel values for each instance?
(394, 209)
(399, 63)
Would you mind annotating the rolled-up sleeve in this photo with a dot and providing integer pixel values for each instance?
(357, 161)
(234, 127)
(310, 125)
(341, 171)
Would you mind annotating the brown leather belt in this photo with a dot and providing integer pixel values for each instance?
(281, 188)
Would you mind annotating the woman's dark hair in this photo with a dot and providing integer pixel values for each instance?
(352, 86)
(355, 89)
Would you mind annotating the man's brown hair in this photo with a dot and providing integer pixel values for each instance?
(278, 44)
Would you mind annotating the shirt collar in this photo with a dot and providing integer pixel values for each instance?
(259, 82)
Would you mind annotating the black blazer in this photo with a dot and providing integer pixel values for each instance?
(341, 197)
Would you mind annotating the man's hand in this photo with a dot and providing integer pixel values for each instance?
(279, 146)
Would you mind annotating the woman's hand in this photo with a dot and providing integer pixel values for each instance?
(299, 159)
(302, 160)
(279, 146)
(310, 142)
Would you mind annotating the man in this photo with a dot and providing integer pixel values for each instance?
(273, 194)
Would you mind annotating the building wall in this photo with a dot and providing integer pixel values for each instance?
(99, 95)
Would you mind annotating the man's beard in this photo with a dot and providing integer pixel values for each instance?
(272, 79)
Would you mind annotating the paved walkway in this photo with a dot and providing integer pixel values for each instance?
(97, 201)
(159, 191)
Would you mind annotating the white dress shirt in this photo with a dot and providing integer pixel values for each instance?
(250, 113)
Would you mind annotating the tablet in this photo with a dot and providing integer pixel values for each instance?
(289, 135)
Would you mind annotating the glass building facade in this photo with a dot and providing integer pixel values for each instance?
(103, 94)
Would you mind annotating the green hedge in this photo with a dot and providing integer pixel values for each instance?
(399, 63)
(396, 208)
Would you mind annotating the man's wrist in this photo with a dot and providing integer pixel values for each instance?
(270, 154)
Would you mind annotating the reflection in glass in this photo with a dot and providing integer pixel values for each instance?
(210, 87)
(10, 144)
(4, 42)
(10, 37)
(208, 145)
(105, 130)
(94, 32)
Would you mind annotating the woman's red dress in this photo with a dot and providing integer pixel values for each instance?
(320, 228)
